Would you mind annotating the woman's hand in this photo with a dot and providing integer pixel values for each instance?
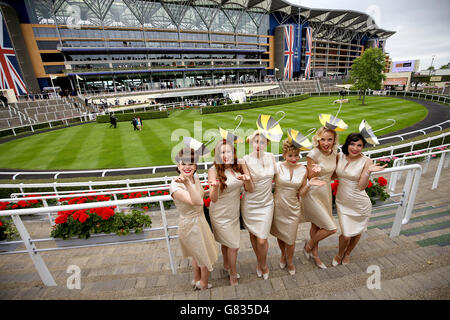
(243, 177)
(183, 179)
(316, 168)
(376, 167)
(316, 182)
(214, 183)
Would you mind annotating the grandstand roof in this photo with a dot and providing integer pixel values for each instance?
(346, 19)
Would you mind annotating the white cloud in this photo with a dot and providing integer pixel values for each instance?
(422, 27)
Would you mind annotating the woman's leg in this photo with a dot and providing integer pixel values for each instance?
(204, 277)
(232, 258)
(282, 246)
(343, 244)
(197, 271)
(262, 249)
(226, 263)
(352, 244)
(314, 243)
(290, 249)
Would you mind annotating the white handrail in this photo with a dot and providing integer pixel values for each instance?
(205, 165)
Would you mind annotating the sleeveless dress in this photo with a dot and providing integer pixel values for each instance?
(224, 213)
(317, 203)
(353, 205)
(257, 206)
(287, 210)
(194, 234)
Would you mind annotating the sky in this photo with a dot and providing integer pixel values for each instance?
(422, 26)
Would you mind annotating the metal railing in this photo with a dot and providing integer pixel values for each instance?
(402, 216)
(34, 252)
(443, 163)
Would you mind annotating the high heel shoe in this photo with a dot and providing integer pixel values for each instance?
(344, 263)
(334, 263)
(321, 265)
(291, 272)
(193, 283)
(238, 276)
(282, 265)
(235, 278)
(258, 273)
(266, 275)
(198, 286)
(306, 253)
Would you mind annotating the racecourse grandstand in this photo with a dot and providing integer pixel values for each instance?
(114, 45)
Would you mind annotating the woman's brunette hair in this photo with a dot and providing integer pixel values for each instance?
(220, 166)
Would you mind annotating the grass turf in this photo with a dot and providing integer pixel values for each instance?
(95, 146)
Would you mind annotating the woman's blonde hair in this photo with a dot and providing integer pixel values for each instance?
(318, 135)
(289, 147)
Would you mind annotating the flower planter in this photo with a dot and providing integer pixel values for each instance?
(5, 246)
(100, 238)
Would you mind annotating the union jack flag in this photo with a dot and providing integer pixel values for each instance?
(10, 76)
(377, 43)
(288, 51)
(308, 53)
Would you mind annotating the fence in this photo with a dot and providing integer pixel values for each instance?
(402, 216)
(443, 163)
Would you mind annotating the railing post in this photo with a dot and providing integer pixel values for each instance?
(44, 201)
(39, 263)
(166, 235)
(415, 177)
(438, 172)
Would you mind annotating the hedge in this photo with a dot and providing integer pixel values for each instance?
(250, 105)
(129, 116)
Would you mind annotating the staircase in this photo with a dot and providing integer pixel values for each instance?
(415, 265)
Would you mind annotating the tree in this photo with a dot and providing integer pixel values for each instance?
(430, 68)
(445, 66)
(367, 71)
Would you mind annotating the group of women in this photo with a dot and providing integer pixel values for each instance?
(302, 194)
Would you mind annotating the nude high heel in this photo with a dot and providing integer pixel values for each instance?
(321, 265)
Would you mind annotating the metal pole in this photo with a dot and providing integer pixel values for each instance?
(39, 263)
(438, 172)
(166, 235)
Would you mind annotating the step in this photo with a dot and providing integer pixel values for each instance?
(434, 284)
(162, 284)
(441, 240)
(424, 217)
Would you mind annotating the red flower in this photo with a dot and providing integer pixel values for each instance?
(125, 196)
(145, 207)
(138, 195)
(61, 219)
(166, 193)
(14, 206)
(159, 191)
(206, 187)
(207, 202)
(22, 203)
(83, 217)
(382, 181)
(152, 193)
(1, 223)
(370, 184)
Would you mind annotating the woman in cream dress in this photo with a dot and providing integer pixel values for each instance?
(257, 207)
(226, 178)
(317, 203)
(290, 184)
(352, 202)
(195, 236)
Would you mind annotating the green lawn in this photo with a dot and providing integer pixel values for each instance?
(95, 146)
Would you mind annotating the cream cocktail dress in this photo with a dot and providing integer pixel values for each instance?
(195, 236)
(317, 203)
(287, 211)
(257, 206)
(353, 205)
(224, 213)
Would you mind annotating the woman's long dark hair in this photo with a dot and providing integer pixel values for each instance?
(352, 137)
(220, 167)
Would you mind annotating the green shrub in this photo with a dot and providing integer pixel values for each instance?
(129, 116)
(251, 105)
